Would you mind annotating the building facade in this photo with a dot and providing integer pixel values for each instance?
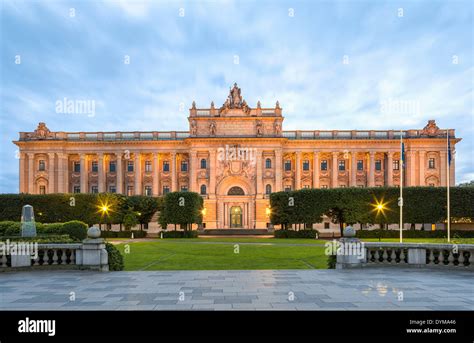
(234, 156)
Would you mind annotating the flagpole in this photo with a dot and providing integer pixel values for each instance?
(448, 219)
(402, 158)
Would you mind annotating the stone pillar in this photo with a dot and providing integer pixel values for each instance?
(119, 173)
(298, 170)
(353, 182)
(334, 171)
(259, 173)
(51, 167)
(31, 174)
(422, 167)
(452, 174)
(61, 173)
(315, 169)
(389, 181)
(93, 255)
(100, 172)
(278, 171)
(193, 167)
(411, 170)
(138, 174)
(442, 168)
(156, 175)
(84, 172)
(212, 172)
(23, 187)
(174, 173)
(371, 176)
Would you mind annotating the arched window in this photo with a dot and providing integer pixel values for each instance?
(203, 163)
(203, 189)
(236, 191)
(268, 163)
(268, 189)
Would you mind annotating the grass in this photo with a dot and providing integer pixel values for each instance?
(181, 255)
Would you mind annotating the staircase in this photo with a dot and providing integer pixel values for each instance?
(235, 232)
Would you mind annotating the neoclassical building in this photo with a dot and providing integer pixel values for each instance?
(234, 156)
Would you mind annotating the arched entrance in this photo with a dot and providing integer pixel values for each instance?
(235, 217)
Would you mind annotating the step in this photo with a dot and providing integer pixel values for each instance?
(235, 232)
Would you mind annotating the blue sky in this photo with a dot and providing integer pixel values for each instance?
(298, 59)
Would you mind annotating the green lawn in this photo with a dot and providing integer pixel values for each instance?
(171, 254)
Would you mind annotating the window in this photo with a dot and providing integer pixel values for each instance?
(396, 164)
(77, 167)
(184, 188)
(41, 165)
(342, 186)
(130, 166)
(148, 191)
(431, 184)
(77, 189)
(268, 163)
(129, 190)
(203, 189)
(166, 166)
(147, 166)
(305, 165)
(324, 186)
(342, 165)
(184, 166)
(287, 165)
(360, 164)
(94, 189)
(324, 165)
(42, 190)
(431, 163)
(112, 166)
(268, 189)
(287, 188)
(166, 189)
(203, 163)
(306, 186)
(326, 225)
(235, 191)
(112, 189)
(378, 165)
(95, 167)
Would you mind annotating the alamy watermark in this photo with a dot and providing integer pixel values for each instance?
(19, 248)
(345, 249)
(70, 106)
(236, 153)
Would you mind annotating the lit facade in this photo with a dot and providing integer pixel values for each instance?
(234, 156)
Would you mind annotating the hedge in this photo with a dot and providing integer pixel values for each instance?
(115, 258)
(40, 239)
(378, 233)
(77, 230)
(183, 208)
(179, 234)
(296, 234)
(123, 234)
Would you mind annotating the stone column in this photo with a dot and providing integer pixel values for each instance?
(23, 187)
(212, 172)
(84, 172)
(193, 166)
(119, 173)
(61, 173)
(138, 174)
(100, 172)
(278, 170)
(389, 181)
(353, 182)
(298, 170)
(334, 171)
(51, 167)
(442, 168)
(174, 173)
(422, 166)
(259, 173)
(371, 178)
(156, 175)
(452, 170)
(31, 173)
(411, 172)
(315, 169)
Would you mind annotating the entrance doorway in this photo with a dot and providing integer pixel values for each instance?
(235, 216)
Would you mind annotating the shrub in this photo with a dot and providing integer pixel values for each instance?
(308, 233)
(40, 239)
(9, 228)
(331, 262)
(75, 229)
(123, 234)
(115, 257)
(179, 234)
(378, 233)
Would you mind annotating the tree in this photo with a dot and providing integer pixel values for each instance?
(130, 219)
(183, 208)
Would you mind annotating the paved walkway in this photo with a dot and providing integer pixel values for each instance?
(370, 289)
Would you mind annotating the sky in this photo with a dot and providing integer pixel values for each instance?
(331, 64)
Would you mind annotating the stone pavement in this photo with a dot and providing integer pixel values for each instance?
(368, 289)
